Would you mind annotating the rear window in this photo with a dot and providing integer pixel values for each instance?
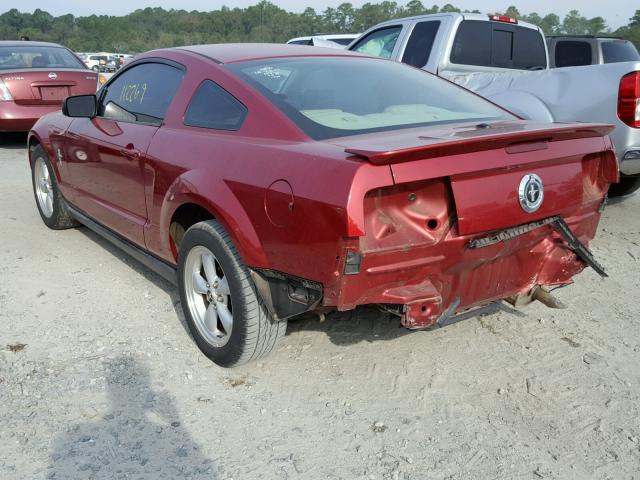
(571, 53)
(498, 45)
(420, 43)
(25, 57)
(330, 97)
(619, 51)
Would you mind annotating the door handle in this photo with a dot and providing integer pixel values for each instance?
(130, 152)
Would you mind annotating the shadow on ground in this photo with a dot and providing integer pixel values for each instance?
(369, 324)
(13, 141)
(364, 324)
(143, 271)
(139, 436)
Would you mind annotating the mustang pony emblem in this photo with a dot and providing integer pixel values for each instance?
(531, 193)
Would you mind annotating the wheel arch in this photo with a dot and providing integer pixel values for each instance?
(34, 140)
(185, 204)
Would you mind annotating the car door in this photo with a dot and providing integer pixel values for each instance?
(106, 155)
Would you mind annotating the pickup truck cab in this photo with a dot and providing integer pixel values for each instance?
(577, 50)
(507, 61)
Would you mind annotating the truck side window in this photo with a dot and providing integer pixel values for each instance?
(619, 51)
(420, 43)
(570, 53)
(215, 108)
(379, 43)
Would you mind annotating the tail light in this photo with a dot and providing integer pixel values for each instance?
(416, 213)
(629, 100)
(5, 95)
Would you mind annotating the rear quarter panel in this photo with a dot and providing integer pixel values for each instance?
(283, 203)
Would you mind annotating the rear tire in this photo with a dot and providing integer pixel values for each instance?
(227, 318)
(627, 186)
(49, 200)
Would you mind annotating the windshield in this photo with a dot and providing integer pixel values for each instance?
(37, 57)
(619, 51)
(329, 97)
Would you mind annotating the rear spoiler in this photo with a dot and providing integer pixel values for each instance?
(480, 140)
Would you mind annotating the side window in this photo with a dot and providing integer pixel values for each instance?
(571, 53)
(472, 44)
(143, 93)
(619, 51)
(379, 43)
(420, 43)
(213, 107)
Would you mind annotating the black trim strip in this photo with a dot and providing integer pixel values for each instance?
(162, 268)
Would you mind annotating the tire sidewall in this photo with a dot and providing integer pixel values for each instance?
(230, 353)
(52, 221)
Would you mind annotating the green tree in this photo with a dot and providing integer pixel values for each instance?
(512, 12)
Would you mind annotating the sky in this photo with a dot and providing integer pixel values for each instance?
(617, 12)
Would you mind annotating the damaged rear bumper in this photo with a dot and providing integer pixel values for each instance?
(428, 284)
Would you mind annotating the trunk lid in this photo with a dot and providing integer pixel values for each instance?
(502, 175)
(48, 86)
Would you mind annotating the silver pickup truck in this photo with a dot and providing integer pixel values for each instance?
(507, 62)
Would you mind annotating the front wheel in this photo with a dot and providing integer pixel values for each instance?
(51, 204)
(627, 186)
(227, 318)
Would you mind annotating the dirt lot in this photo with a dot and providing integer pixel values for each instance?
(109, 384)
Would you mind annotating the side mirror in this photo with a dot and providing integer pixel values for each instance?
(82, 106)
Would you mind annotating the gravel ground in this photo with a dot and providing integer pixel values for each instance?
(99, 378)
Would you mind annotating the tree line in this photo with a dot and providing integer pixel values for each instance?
(264, 22)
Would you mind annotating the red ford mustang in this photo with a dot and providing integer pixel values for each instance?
(269, 181)
(34, 79)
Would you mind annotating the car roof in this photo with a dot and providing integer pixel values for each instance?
(596, 37)
(27, 43)
(239, 52)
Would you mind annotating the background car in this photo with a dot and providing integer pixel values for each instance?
(342, 39)
(121, 59)
(34, 79)
(100, 63)
(274, 180)
(576, 50)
